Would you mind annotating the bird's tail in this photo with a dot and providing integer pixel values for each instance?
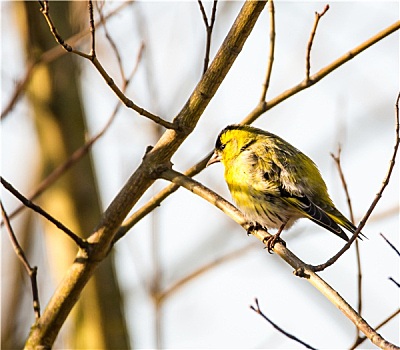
(341, 220)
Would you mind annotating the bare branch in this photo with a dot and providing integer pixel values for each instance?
(110, 82)
(390, 244)
(209, 29)
(338, 162)
(398, 253)
(32, 271)
(263, 106)
(203, 12)
(271, 10)
(311, 40)
(78, 240)
(110, 39)
(301, 269)
(45, 11)
(374, 202)
(395, 282)
(257, 310)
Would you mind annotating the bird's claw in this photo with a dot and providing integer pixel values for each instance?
(254, 227)
(270, 242)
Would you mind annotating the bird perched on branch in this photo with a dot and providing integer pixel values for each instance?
(273, 183)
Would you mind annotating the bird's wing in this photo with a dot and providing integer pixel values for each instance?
(294, 192)
(279, 178)
(314, 213)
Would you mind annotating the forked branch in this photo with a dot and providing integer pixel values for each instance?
(92, 57)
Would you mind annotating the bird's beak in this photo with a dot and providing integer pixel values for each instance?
(215, 158)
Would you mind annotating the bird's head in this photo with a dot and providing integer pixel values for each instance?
(231, 142)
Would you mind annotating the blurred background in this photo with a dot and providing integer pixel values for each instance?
(185, 275)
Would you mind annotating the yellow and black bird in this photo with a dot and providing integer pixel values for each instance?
(273, 183)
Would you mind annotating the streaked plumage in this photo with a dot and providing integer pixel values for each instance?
(273, 183)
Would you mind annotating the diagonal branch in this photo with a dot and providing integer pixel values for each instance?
(257, 310)
(390, 244)
(301, 268)
(110, 82)
(78, 240)
(376, 199)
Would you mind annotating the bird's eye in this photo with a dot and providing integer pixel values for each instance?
(222, 146)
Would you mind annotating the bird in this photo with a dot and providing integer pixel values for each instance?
(273, 183)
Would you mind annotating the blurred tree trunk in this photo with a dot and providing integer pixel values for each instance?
(54, 96)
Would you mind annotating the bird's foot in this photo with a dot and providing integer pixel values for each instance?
(270, 242)
(254, 226)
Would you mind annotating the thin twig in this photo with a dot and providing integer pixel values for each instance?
(110, 39)
(32, 271)
(257, 310)
(128, 103)
(271, 10)
(395, 282)
(374, 202)
(92, 29)
(209, 29)
(398, 253)
(337, 160)
(311, 40)
(78, 240)
(45, 10)
(390, 244)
